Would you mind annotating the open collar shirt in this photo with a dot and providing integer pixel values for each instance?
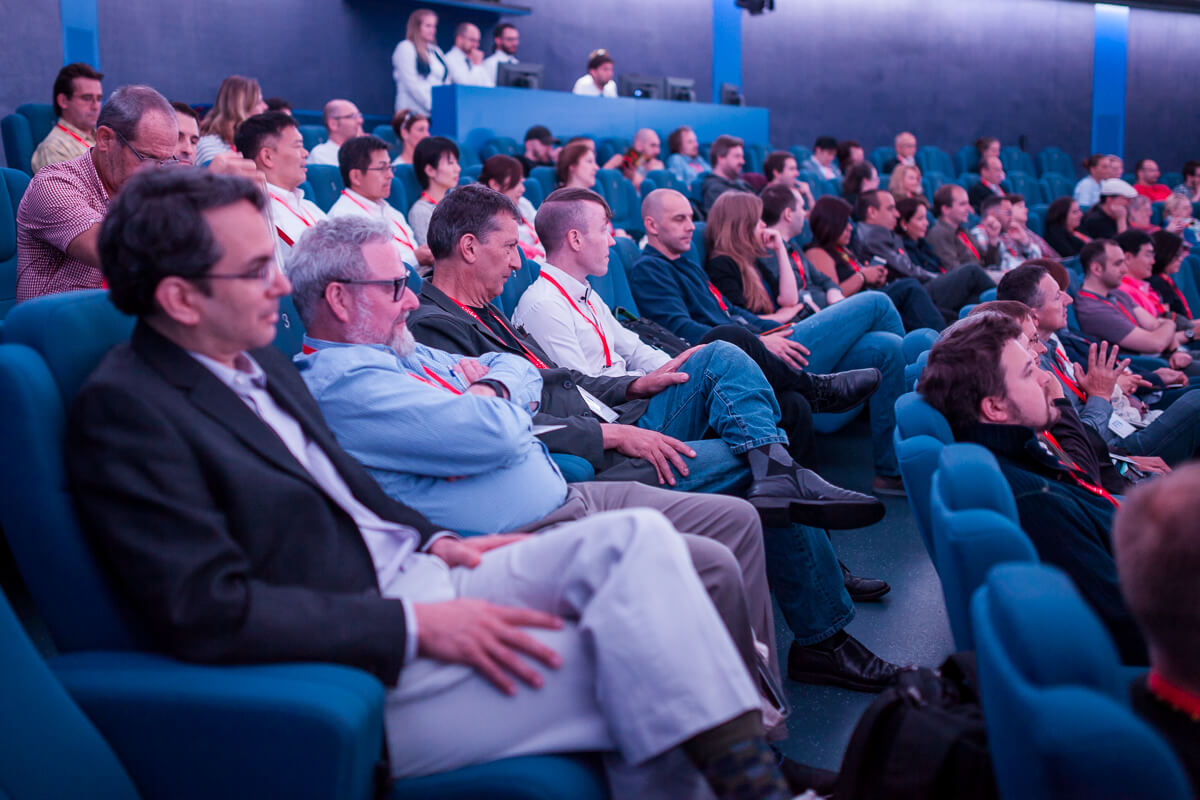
(291, 216)
(63, 143)
(352, 204)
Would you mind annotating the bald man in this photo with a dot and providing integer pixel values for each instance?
(344, 121)
(640, 159)
(464, 62)
(905, 145)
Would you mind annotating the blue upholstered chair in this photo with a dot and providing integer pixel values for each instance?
(921, 433)
(499, 145)
(326, 183)
(934, 159)
(23, 130)
(623, 199)
(1055, 160)
(975, 527)
(881, 155)
(756, 154)
(405, 188)
(966, 159)
(1054, 699)
(613, 286)
(1015, 159)
(1055, 186)
(662, 179)
(12, 188)
(546, 177)
(313, 135)
(1024, 184)
(294, 730)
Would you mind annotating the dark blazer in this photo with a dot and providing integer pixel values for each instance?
(440, 323)
(950, 250)
(877, 240)
(228, 548)
(978, 193)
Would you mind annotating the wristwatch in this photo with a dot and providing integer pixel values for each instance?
(1189, 334)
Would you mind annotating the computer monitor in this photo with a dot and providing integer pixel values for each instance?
(641, 86)
(681, 89)
(731, 95)
(522, 76)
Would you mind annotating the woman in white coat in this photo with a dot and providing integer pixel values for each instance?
(418, 64)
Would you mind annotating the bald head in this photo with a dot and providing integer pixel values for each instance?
(647, 143)
(667, 215)
(343, 120)
(905, 144)
(466, 38)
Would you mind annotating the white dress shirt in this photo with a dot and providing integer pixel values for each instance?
(492, 64)
(324, 153)
(353, 204)
(291, 216)
(575, 337)
(587, 86)
(464, 73)
(413, 90)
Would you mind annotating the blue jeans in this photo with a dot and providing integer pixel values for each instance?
(862, 331)
(1174, 437)
(806, 580)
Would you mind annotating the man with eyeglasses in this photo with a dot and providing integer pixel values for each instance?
(58, 221)
(344, 121)
(77, 99)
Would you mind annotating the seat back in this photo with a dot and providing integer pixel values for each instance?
(623, 199)
(405, 188)
(974, 522)
(920, 434)
(934, 159)
(663, 179)
(932, 181)
(966, 159)
(881, 155)
(1057, 722)
(48, 747)
(326, 183)
(756, 154)
(613, 286)
(52, 343)
(1055, 186)
(1015, 159)
(516, 285)
(800, 152)
(546, 177)
(23, 131)
(386, 133)
(611, 146)
(468, 158)
(697, 254)
(1055, 160)
(499, 145)
(533, 192)
(13, 188)
(313, 135)
(1024, 184)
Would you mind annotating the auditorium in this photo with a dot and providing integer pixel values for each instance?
(539, 400)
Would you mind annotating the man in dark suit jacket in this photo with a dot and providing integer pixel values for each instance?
(950, 240)
(242, 532)
(991, 173)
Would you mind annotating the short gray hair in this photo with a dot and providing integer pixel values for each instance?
(126, 107)
(330, 249)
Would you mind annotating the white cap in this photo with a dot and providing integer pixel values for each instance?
(1115, 187)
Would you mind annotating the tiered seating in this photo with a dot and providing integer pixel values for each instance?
(14, 183)
(326, 184)
(313, 135)
(23, 130)
(624, 200)
(500, 145)
(1053, 160)
(934, 159)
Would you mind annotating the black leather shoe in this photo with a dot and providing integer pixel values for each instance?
(806, 498)
(801, 777)
(842, 391)
(862, 590)
(850, 665)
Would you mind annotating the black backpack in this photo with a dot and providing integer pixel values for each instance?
(922, 739)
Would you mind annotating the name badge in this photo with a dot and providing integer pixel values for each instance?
(598, 408)
(1120, 426)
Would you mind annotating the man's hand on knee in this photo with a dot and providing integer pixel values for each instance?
(469, 552)
(664, 377)
(663, 451)
(486, 637)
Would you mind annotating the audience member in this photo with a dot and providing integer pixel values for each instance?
(641, 158)
(949, 238)
(823, 161)
(1169, 252)
(367, 176)
(684, 160)
(991, 173)
(1178, 219)
(343, 121)
(505, 41)
(189, 133)
(278, 104)
(784, 212)
(238, 99)
(77, 98)
(273, 142)
(985, 147)
(1139, 214)
(1109, 216)
(1019, 236)
(780, 168)
(598, 82)
(983, 378)
(1190, 188)
(1155, 547)
(418, 64)
(1147, 184)
(435, 160)
(503, 174)
(1087, 191)
(58, 220)
(410, 128)
(1062, 227)
(905, 182)
(996, 225)
(912, 223)
(861, 177)
(316, 563)
(905, 145)
(849, 153)
(541, 149)
(464, 62)
(727, 154)
(1139, 266)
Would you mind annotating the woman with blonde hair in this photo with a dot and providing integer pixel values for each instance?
(418, 64)
(238, 99)
(1178, 219)
(905, 181)
(735, 238)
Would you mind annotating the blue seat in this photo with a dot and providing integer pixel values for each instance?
(313, 135)
(966, 310)
(611, 146)
(975, 526)
(1055, 186)
(499, 145)
(820, 187)
(546, 177)
(468, 158)
(326, 184)
(405, 189)
(472, 172)
(623, 199)
(1058, 723)
(302, 730)
(662, 179)
(967, 179)
(920, 434)
(881, 155)
(800, 152)
(1156, 212)
(987, 295)
(1037, 218)
(516, 285)
(697, 254)
(934, 159)
(386, 133)
(932, 181)
(533, 192)
(613, 286)
(912, 372)
(14, 184)
(1024, 184)
(756, 154)
(966, 159)
(304, 116)
(1054, 160)
(23, 130)
(1015, 159)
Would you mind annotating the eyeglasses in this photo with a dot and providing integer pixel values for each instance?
(158, 162)
(398, 285)
(356, 115)
(383, 168)
(264, 273)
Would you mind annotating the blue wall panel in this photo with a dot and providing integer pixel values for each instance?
(1108, 78)
(1162, 107)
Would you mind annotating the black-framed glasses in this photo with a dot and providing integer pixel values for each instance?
(158, 162)
(357, 115)
(264, 273)
(383, 168)
(398, 285)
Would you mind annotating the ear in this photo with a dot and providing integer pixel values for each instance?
(178, 298)
(651, 226)
(357, 176)
(61, 100)
(574, 240)
(338, 300)
(106, 139)
(468, 248)
(993, 409)
(265, 156)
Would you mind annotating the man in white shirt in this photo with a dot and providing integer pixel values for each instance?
(344, 121)
(599, 79)
(505, 39)
(465, 59)
(367, 174)
(273, 142)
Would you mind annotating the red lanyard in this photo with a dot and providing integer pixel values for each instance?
(1069, 383)
(846, 257)
(1187, 310)
(72, 134)
(590, 320)
(1108, 302)
(1081, 237)
(800, 268)
(1174, 696)
(439, 380)
(405, 241)
(533, 359)
(425, 196)
(962, 235)
(1074, 471)
(717, 294)
(532, 251)
(308, 223)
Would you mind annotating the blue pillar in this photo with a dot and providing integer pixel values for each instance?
(1108, 79)
(81, 40)
(726, 46)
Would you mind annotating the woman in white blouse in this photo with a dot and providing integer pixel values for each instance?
(418, 64)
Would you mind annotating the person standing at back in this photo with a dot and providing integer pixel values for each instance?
(599, 79)
(505, 39)
(418, 64)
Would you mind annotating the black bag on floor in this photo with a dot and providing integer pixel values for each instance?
(651, 332)
(922, 739)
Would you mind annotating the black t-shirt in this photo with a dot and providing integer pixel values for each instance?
(528, 164)
(1098, 225)
(1180, 730)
